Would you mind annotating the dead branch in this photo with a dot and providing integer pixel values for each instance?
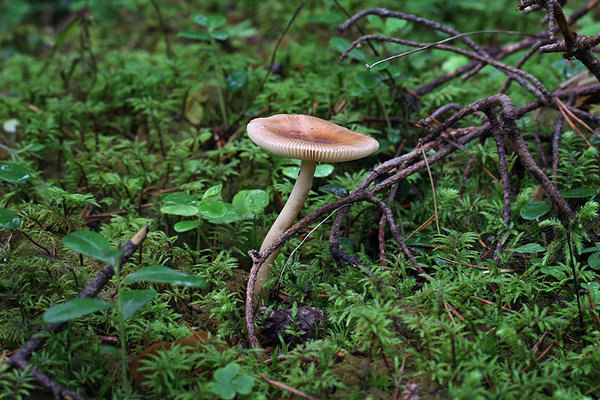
(572, 43)
(500, 122)
(528, 81)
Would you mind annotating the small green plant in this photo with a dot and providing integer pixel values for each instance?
(228, 381)
(128, 301)
(9, 220)
(246, 204)
(15, 384)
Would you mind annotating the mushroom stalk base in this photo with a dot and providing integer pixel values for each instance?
(284, 221)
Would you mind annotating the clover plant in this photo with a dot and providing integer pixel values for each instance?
(227, 382)
(245, 204)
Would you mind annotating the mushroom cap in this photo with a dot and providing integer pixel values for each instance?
(309, 138)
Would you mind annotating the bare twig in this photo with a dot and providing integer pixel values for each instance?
(435, 208)
(572, 44)
(287, 388)
(382, 12)
(528, 81)
(444, 139)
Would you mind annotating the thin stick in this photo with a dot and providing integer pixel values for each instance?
(576, 118)
(400, 375)
(462, 263)
(304, 240)
(567, 115)
(575, 282)
(423, 226)
(545, 352)
(430, 45)
(196, 335)
(287, 388)
(435, 209)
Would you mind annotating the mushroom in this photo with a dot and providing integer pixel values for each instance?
(309, 139)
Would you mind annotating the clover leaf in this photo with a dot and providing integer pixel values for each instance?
(228, 382)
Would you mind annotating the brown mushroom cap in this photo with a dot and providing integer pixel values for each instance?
(309, 138)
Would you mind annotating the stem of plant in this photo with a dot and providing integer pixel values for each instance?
(221, 79)
(384, 111)
(22, 308)
(575, 283)
(198, 238)
(121, 321)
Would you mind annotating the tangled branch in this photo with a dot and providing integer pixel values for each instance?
(499, 123)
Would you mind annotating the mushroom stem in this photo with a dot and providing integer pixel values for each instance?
(283, 222)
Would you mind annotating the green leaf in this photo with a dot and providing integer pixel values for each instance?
(594, 261)
(579, 193)
(243, 384)
(200, 19)
(226, 392)
(376, 22)
(591, 249)
(419, 241)
(215, 21)
(535, 209)
(13, 173)
(227, 382)
(236, 80)
(227, 373)
(213, 192)
(110, 350)
(553, 271)
(194, 35)
(341, 44)
(454, 62)
(220, 34)
(133, 300)
(394, 24)
(184, 226)
(249, 202)
(367, 79)
(291, 172)
(180, 204)
(530, 248)
(92, 244)
(395, 136)
(74, 309)
(323, 170)
(162, 274)
(337, 190)
(9, 219)
(212, 209)
(179, 199)
(13, 13)
(594, 288)
(182, 210)
(231, 215)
